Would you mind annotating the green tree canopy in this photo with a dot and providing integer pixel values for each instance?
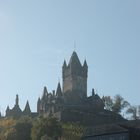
(108, 102)
(134, 111)
(23, 128)
(49, 127)
(117, 104)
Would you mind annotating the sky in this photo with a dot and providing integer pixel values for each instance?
(37, 35)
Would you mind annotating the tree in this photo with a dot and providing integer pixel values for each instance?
(138, 110)
(108, 102)
(49, 127)
(117, 104)
(134, 111)
(10, 134)
(23, 128)
(7, 130)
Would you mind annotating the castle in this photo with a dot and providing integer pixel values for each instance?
(16, 112)
(70, 102)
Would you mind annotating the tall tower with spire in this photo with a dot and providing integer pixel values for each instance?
(75, 76)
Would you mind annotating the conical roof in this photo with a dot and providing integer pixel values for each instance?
(74, 60)
(64, 64)
(85, 64)
(39, 100)
(59, 91)
(7, 109)
(45, 92)
(27, 109)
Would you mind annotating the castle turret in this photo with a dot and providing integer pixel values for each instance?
(27, 110)
(7, 111)
(97, 102)
(45, 93)
(58, 91)
(38, 105)
(59, 95)
(45, 90)
(85, 69)
(93, 92)
(85, 64)
(17, 100)
(64, 64)
(75, 76)
(16, 112)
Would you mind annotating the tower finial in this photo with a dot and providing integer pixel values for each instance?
(17, 100)
(64, 64)
(93, 92)
(58, 90)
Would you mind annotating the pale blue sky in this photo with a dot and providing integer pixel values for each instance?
(37, 35)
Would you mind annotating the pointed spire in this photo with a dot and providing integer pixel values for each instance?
(74, 60)
(38, 104)
(53, 93)
(64, 64)
(93, 92)
(39, 100)
(85, 64)
(45, 90)
(27, 109)
(17, 100)
(7, 109)
(45, 93)
(59, 91)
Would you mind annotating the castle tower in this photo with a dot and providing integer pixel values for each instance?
(7, 111)
(59, 95)
(45, 93)
(75, 76)
(27, 110)
(59, 91)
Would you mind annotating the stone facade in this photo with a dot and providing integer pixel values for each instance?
(75, 76)
(71, 103)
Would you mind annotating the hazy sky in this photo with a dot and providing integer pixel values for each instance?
(37, 35)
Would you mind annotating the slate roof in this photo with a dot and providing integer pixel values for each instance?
(105, 130)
